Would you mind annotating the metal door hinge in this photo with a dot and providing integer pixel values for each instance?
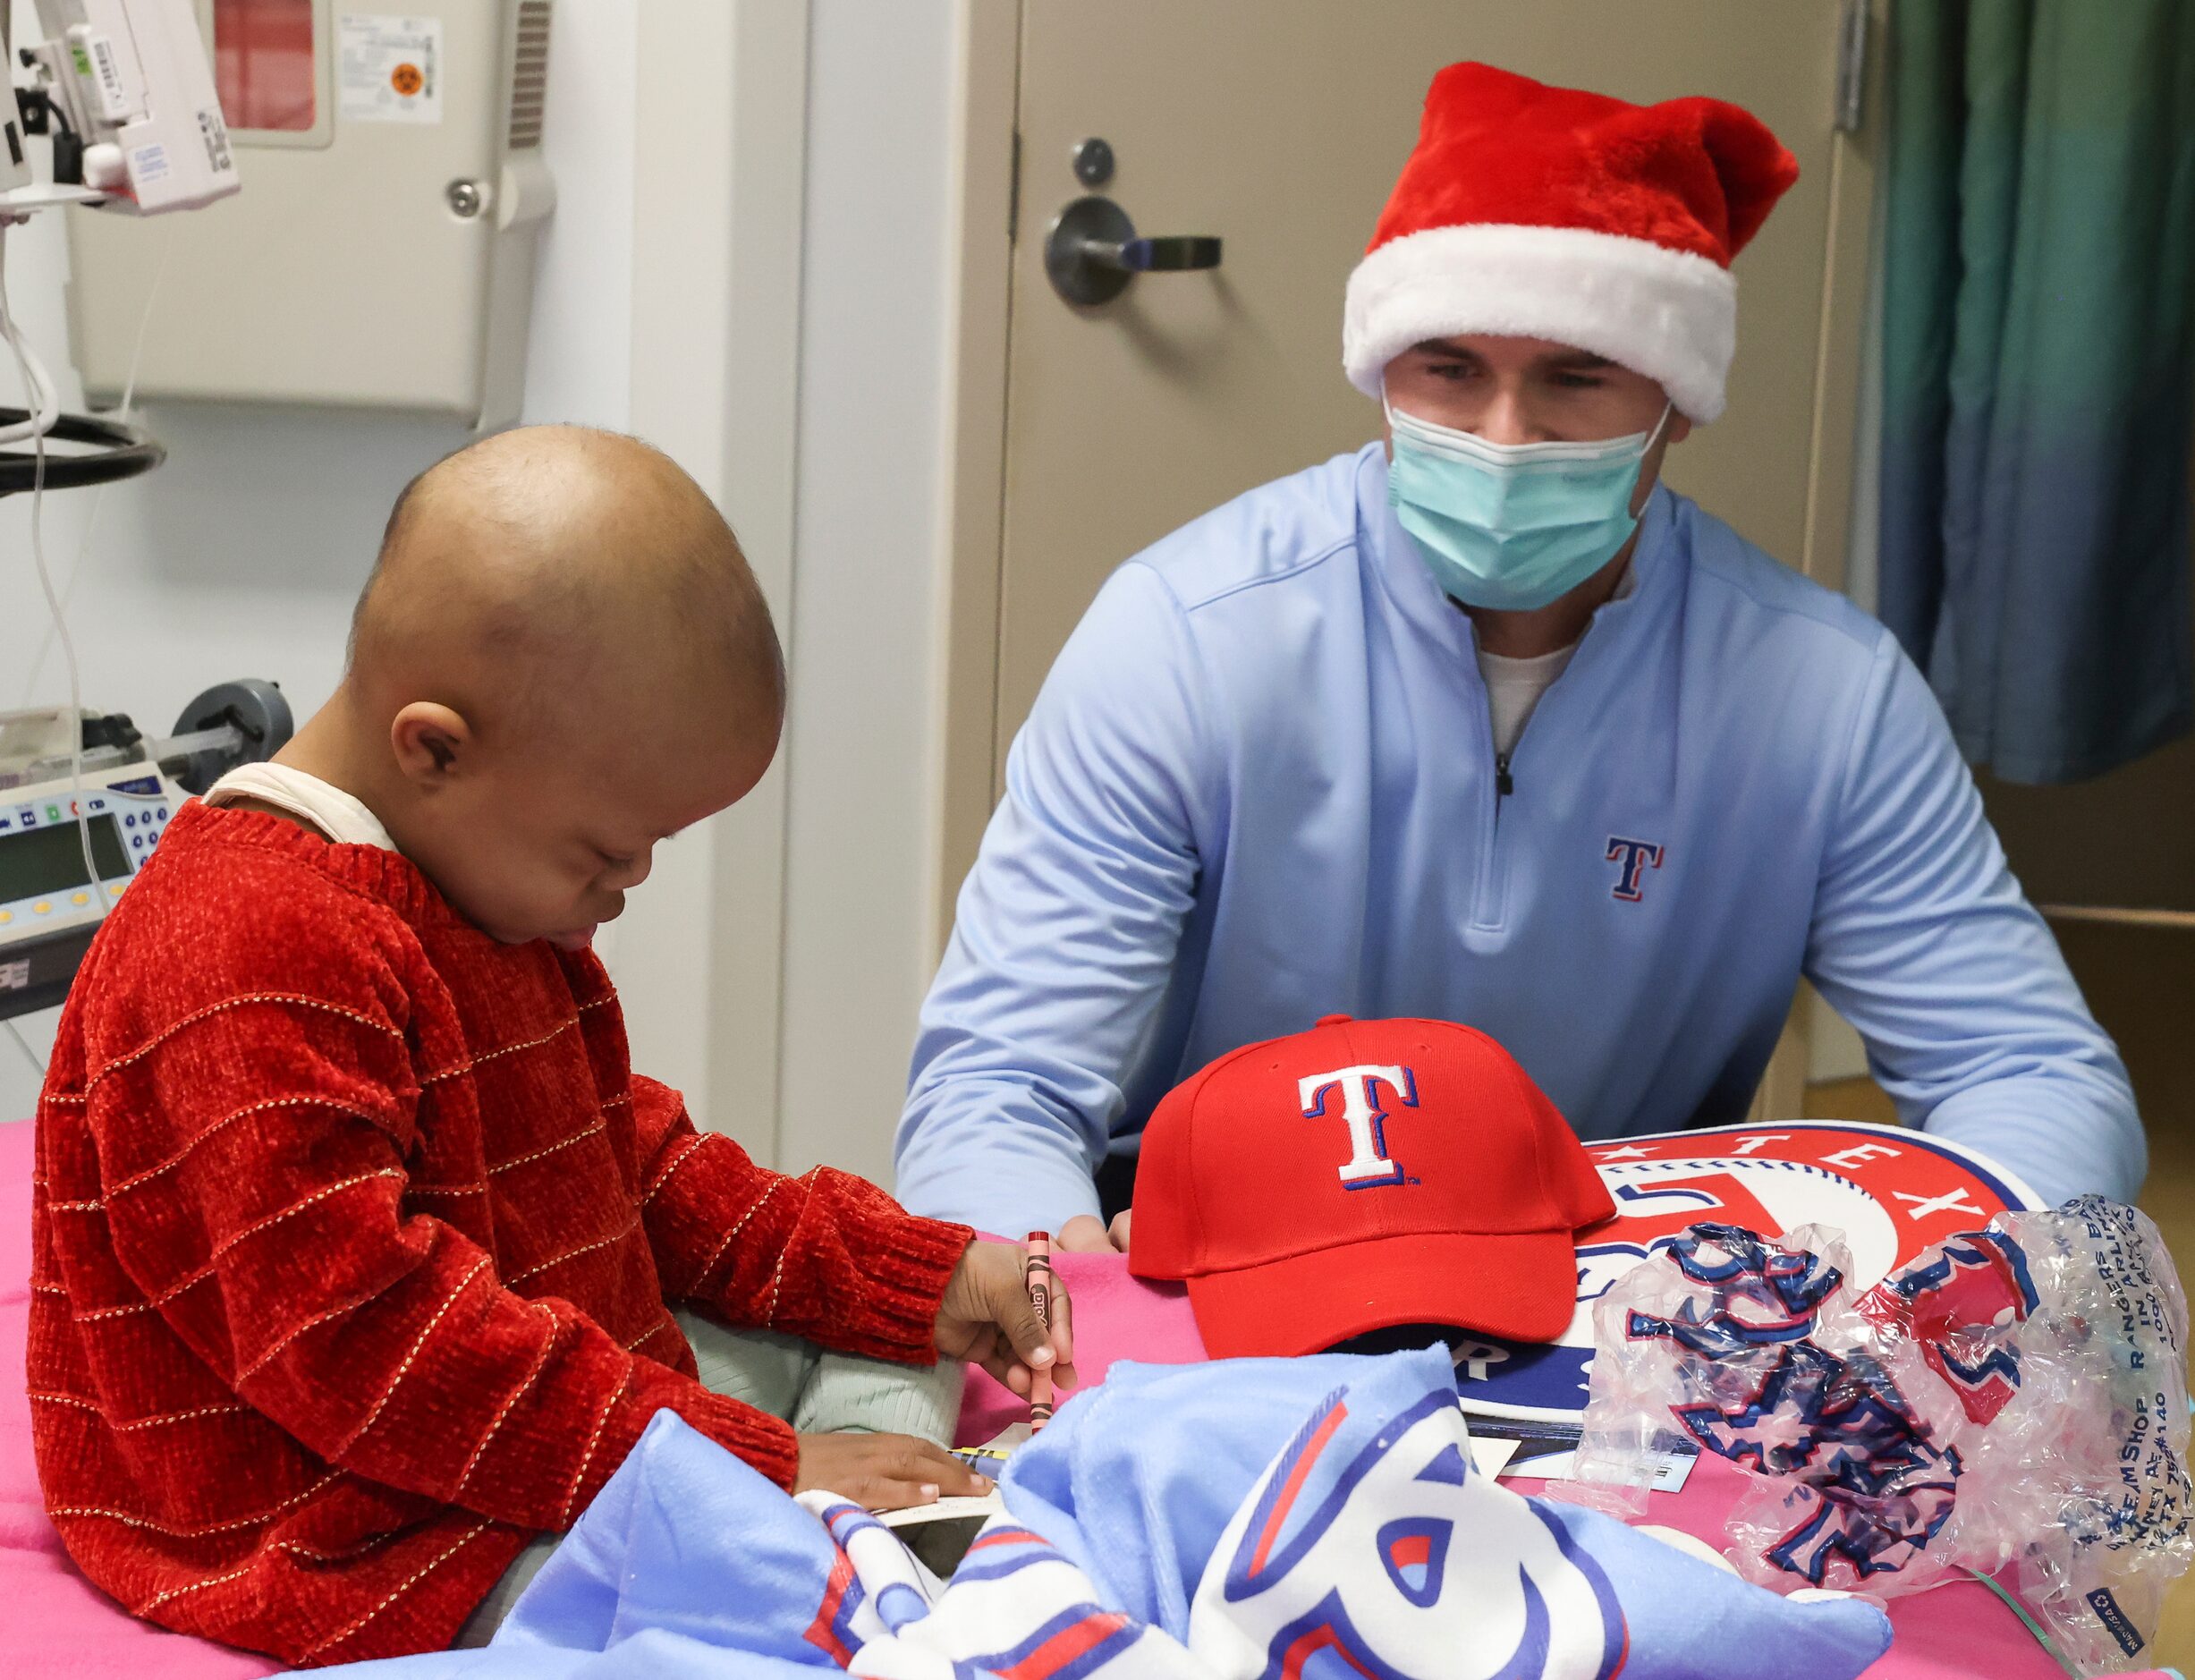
(1852, 67)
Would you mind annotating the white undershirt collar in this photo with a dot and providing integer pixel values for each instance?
(1514, 686)
(336, 814)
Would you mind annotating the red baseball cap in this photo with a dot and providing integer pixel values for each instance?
(1361, 1175)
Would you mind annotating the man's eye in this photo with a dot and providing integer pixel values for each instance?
(1578, 381)
(1449, 369)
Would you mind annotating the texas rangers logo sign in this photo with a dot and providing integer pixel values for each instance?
(1893, 1193)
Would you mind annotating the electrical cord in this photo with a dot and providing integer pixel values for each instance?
(80, 563)
(42, 406)
(35, 382)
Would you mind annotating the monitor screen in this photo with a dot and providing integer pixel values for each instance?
(43, 860)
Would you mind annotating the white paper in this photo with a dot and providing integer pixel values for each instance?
(987, 1505)
(1671, 1469)
(1488, 1457)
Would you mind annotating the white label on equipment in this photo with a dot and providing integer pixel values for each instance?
(114, 99)
(15, 977)
(389, 69)
(215, 132)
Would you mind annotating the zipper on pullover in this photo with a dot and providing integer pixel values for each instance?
(1490, 895)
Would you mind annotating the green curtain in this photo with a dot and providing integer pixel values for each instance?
(2038, 362)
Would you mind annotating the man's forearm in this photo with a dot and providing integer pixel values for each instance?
(977, 1156)
(2066, 1134)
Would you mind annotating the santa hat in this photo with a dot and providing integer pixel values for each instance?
(1540, 212)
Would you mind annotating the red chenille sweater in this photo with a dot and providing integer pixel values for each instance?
(351, 1240)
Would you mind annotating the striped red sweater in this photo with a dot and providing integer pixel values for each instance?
(351, 1240)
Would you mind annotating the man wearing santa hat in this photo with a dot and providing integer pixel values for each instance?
(1483, 723)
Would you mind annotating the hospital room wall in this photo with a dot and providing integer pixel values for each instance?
(863, 737)
(243, 553)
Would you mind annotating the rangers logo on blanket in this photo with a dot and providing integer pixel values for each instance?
(1289, 1595)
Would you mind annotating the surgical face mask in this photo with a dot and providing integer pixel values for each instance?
(1511, 527)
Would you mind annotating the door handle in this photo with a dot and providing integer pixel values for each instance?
(1167, 255)
(1093, 251)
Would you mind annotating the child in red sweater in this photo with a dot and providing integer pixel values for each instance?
(354, 1232)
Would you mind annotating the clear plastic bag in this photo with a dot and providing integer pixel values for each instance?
(2015, 1396)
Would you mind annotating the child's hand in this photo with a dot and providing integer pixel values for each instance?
(884, 1472)
(986, 1317)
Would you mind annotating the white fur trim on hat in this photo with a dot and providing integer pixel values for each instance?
(1668, 314)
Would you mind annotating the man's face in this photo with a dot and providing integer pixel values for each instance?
(1526, 391)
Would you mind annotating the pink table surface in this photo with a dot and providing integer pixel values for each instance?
(1962, 1630)
(57, 1625)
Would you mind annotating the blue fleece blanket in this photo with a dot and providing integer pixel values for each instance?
(1316, 1518)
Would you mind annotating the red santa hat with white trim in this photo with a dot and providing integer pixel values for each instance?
(1538, 212)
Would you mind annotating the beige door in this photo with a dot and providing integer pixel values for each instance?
(1279, 126)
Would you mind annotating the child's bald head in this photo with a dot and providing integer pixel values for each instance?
(562, 656)
(566, 566)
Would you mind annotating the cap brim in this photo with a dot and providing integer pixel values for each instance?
(1523, 1286)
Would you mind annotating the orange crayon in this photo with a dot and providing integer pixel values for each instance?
(1038, 1274)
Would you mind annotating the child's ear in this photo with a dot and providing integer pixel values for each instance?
(431, 743)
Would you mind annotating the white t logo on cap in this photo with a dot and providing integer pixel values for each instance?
(1367, 1166)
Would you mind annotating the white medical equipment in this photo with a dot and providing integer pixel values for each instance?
(123, 87)
(384, 257)
(50, 903)
(122, 90)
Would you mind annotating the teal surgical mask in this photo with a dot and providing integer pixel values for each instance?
(1511, 527)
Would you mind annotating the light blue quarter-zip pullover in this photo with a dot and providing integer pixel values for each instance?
(1259, 787)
